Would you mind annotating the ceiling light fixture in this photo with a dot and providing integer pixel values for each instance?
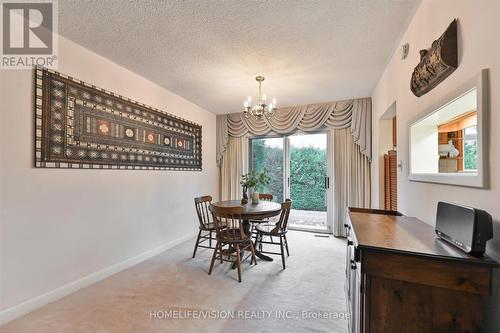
(261, 109)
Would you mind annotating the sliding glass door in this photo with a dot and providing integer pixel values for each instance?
(267, 153)
(308, 181)
(299, 169)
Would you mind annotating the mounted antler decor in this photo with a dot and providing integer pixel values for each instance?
(436, 63)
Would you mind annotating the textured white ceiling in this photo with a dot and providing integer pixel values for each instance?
(210, 51)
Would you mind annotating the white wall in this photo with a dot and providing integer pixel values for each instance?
(424, 152)
(385, 144)
(479, 26)
(59, 225)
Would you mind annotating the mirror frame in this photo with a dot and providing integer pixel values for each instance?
(481, 178)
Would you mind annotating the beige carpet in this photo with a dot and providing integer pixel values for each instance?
(269, 299)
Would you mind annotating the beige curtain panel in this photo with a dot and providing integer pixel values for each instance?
(351, 178)
(233, 165)
(222, 138)
(352, 114)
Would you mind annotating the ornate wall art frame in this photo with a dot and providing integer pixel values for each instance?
(436, 63)
(78, 125)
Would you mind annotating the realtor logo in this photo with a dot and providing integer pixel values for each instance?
(29, 36)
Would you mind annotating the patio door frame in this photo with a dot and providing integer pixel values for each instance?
(286, 175)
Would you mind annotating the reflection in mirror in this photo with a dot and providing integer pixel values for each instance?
(446, 141)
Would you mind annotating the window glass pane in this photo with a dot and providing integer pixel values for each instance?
(268, 153)
(470, 148)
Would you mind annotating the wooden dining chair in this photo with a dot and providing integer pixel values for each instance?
(264, 197)
(207, 227)
(230, 233)
(278, 230)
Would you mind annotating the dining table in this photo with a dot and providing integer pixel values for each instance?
(254, 212)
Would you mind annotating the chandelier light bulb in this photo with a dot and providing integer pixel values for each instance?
(249, 99)
(246, 104)
(274, 102)
(264, 97)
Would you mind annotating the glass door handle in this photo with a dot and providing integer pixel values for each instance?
(327, 186)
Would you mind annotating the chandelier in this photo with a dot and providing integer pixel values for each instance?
(261, 109)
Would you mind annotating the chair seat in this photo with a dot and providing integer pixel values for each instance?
(267, 228)
(209, 226)
(268, 220)
(235, 238)
(265, 221)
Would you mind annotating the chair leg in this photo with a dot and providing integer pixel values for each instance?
(261, 238)
(286, 246)
(253, 254)
(196, 244)
(220, 252)
(213, 258)
(210, 239)
(238, 261)
(282, 252)
(251, 257)
(256, 239)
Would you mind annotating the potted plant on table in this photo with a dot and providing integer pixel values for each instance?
(256, 181)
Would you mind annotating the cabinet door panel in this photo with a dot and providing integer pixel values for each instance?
(395, 304)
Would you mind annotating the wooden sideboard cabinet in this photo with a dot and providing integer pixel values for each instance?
(401, 278)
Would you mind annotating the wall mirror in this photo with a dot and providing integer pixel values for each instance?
(448, 145)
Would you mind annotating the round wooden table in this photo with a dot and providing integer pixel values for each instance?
(260, 211)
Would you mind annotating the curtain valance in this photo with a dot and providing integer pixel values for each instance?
(354, 114)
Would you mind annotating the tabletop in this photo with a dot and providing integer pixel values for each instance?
(261, 210)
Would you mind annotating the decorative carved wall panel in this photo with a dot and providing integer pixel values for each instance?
(78, 125)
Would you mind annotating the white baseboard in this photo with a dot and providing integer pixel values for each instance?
(30, 305)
